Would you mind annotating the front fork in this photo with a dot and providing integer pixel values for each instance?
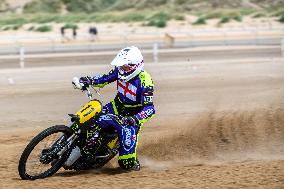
(69, 142)
(71, 139)
(58, 148)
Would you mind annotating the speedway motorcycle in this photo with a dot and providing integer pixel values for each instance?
(62, 146)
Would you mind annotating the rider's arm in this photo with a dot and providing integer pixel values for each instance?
(104, 79)
(148, 110)
(147, 113)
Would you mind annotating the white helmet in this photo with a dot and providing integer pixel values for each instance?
(129, 62)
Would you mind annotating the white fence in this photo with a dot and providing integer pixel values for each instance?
(214, 37)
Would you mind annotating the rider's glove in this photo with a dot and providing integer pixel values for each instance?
(86, 81)
(130, 121)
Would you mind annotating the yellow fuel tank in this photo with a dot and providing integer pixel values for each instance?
(91, 109)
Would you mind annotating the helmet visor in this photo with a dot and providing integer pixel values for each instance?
(127, 68)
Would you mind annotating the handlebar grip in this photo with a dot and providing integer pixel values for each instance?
(76, 83)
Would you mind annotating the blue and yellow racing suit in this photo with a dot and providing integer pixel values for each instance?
(135, 99)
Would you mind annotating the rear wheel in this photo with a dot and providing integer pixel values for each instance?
(40, 159)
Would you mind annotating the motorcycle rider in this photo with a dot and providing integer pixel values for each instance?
(134, 101)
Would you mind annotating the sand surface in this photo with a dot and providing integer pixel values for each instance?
(218, 125)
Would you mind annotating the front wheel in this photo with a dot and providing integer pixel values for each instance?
(40, 159)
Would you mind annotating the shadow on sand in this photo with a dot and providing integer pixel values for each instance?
(106, 171)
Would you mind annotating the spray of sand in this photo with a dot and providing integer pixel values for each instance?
(219, 137)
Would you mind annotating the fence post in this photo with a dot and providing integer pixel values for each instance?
(225, 35)
(256, 37)
(22, 57)
(155, 52)
(192, 40)
(52, 44)
(282, 46)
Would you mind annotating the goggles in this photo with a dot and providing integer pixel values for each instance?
(128, 67)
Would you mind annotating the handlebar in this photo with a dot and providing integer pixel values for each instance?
(89, 93)
(78, 85)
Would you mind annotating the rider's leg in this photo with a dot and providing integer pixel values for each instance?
(91, 136)
(127, 158)
(128, 138)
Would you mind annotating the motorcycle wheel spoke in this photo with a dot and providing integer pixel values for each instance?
(33, 165)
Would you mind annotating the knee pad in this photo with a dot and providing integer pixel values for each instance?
(127, 163)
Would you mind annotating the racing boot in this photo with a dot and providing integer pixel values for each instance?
(136, 167)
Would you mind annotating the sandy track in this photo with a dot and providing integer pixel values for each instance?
(197, 158)
(218, 125)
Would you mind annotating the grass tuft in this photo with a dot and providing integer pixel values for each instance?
(199, 21)
(43, 28)
(281, 19)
